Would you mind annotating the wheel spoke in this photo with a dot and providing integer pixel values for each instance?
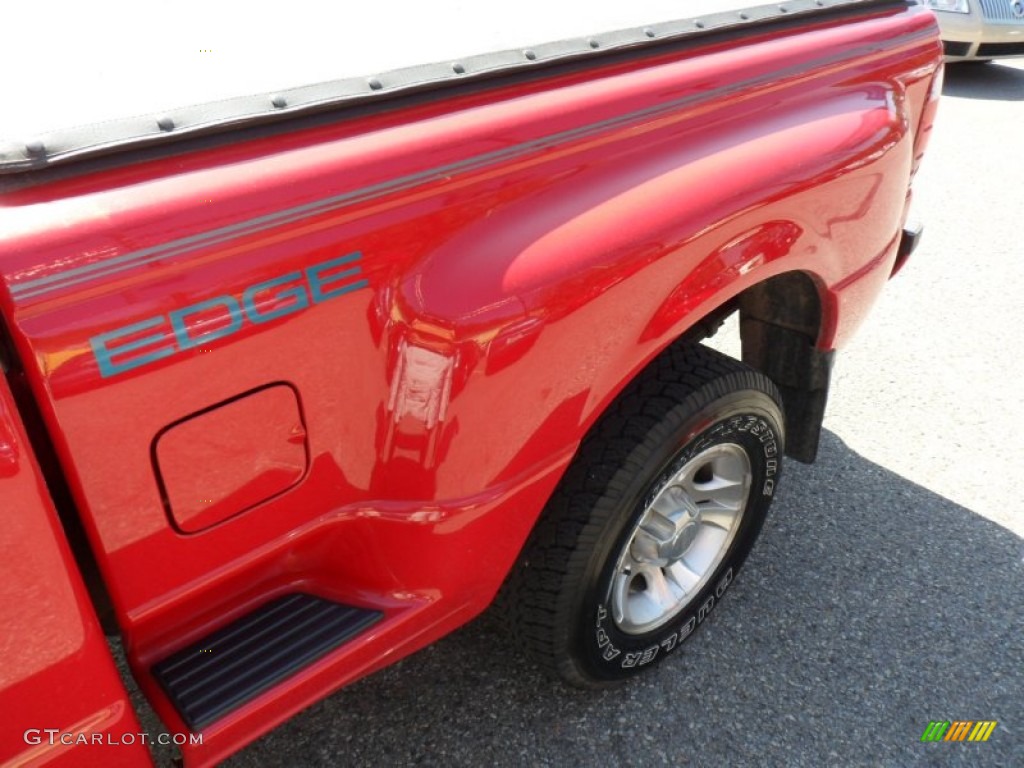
(706, 548)
(683, 576)
(720, 517)
(661, 589)
(641, 608)
(619, 590)
(722, 490)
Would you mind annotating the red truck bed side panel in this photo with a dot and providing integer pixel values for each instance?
(453, 291)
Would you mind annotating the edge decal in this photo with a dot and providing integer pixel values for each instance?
(222, 316)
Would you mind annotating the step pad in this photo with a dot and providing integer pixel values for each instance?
(238, 662)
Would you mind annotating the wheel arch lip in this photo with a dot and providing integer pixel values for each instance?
(844, 237)
(702, 320)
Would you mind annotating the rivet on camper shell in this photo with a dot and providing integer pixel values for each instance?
(165, 124)
(594, 43)
(783, 9)
(821, 3)
(699, 24)
(744, 16)
(374, 84)
(649, 32)
(279, 101)
(35, 148)
(458, 69)
(530, 55)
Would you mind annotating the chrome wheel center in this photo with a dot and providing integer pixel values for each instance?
(681, 542)
(681, 538)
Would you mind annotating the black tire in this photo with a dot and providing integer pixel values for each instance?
(573, 599)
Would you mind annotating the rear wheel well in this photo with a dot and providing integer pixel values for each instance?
(780, 321)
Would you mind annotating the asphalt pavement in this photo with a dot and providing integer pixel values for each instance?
(887, 589)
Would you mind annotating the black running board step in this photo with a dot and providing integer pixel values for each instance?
(240, 661)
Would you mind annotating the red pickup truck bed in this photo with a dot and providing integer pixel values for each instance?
(313, 380)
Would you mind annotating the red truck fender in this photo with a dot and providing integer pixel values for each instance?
(320, 377)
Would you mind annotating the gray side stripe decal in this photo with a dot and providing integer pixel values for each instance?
(88, 272)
